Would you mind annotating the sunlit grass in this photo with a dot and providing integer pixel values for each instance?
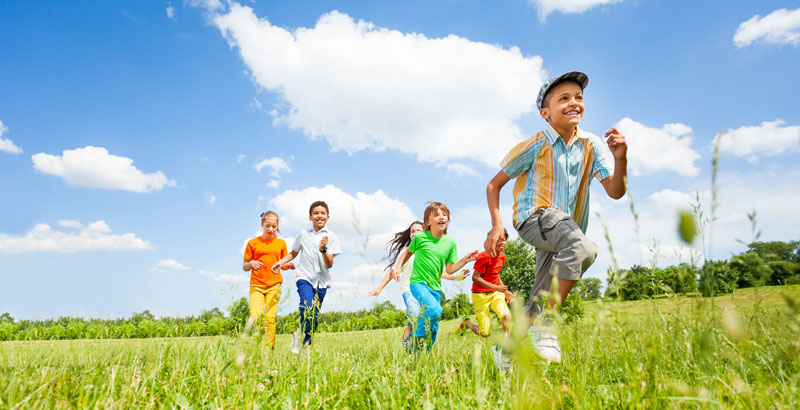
(669, 352)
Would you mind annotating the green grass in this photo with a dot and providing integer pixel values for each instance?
(661, 353)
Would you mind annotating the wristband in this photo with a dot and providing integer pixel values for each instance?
(324, 249)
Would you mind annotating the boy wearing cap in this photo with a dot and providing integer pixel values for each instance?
(553, 170)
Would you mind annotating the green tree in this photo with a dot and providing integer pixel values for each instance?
(717, 278)
(520, 268)
(776, 251)
(240, 312)
(589, 288)
(638, 282)
(752, 270)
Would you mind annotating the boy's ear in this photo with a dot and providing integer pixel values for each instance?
(545, 113)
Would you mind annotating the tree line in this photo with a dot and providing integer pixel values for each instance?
(763, 263)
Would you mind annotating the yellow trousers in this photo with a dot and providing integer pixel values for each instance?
(264, 300)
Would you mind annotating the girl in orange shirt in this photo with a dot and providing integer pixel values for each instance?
(260, 254)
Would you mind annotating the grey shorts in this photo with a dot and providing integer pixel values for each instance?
(562, 250)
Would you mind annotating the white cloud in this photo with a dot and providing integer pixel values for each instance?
(367, 88)
(275, 164)
(6, 145)
(168, 264)
(673, 199)
(240, 158)
(171, 12)
(273, 183)
(653, 149)
(94, 167)
(96, 236)
(375, 213)
(461, 170)
(232, 278)
(546, 7)
(69, 223)
(210, 197)
(769, 139)
(209, 5)
(782, 26)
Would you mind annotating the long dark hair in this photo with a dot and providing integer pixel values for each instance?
(400, 242)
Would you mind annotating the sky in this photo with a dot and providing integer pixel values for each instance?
(140, 140)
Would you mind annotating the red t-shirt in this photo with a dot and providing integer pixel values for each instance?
(490, 269)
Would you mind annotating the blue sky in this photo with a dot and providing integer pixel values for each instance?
(140, 140)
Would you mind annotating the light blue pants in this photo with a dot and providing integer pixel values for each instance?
(431, 311)
(412, 308)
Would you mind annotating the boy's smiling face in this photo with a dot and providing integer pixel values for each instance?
(564, 107)
(319, 216)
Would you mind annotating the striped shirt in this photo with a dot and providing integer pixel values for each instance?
(550, 174)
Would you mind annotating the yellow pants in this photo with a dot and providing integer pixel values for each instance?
(264, 300)
(483, 302)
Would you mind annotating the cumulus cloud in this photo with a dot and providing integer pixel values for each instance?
(6, 145)
(362, 87)
(461, 170)
(659, 149)
(96, 236)
(171, 12)
(276, 165)
(210, 197)
(273, 183)
(231, 278)
(94, 167)
(168, 264)
(546, 7)
(673, 199)
(69, 223)
(768, 139)
(782, 26)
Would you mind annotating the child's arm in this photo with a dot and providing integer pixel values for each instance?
(286, 259)
(477, 277)
(402, 258)
(493, 199)
(386, 278)
(251, 264)
(452, 267)
(448, 276)
(615, 184)
(509, 296)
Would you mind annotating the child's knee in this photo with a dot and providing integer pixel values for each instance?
(586, 251)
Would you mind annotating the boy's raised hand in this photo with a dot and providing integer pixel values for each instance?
(276, 267)
(471, 256)
(323, 243)
(616, 144)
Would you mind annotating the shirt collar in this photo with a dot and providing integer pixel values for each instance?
(552, 135)
(324, 229)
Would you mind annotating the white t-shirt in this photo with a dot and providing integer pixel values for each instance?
(309, 265)
(405, 278)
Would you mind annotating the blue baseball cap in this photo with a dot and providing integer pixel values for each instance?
(575, 76)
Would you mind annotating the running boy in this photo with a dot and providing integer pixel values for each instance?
(316, 248)
(489, 292)
(553, 170)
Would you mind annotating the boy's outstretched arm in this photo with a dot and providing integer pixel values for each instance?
(453, 267)
(286, 259)
(493, 199)
(615, 184)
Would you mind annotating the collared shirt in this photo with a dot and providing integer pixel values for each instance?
(308, 264)
(551, 174)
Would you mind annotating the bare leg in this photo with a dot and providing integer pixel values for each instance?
(407, 333)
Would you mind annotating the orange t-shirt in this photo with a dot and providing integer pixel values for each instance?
(266, 251)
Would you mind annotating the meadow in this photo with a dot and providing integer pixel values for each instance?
(675, 352)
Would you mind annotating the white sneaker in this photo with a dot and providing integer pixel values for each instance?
(545, 343)
(502, 361)
(295, 346)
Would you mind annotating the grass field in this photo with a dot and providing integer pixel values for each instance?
(661, 353)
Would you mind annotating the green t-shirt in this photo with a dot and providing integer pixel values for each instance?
(430, 256)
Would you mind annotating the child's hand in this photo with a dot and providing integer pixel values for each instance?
(510, 297)
(616, 144)
(375, 292)
(255, 265)
(323, 243)
(471, 256)
(287, 266)
(464, 274)
(276, 267)
(396, 275)
(501, 288)
(490, 244)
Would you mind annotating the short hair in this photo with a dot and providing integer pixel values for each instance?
(430, 209)
(505, 231)
(264, 216)
(316, 204)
